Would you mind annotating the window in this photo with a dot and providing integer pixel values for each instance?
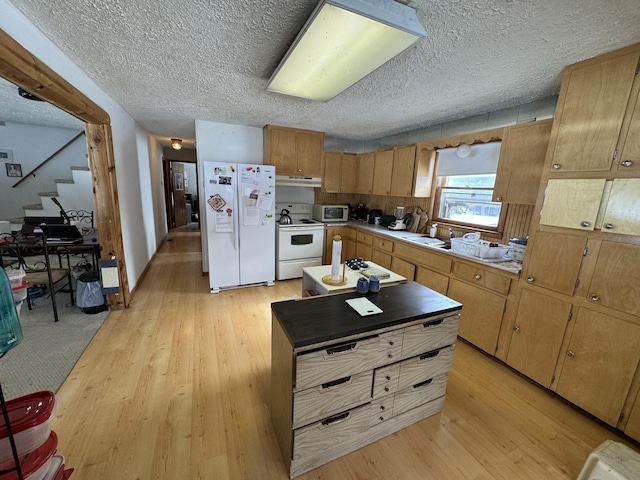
(466, 199)
(464, 187)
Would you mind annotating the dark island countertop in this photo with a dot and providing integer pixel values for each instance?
(328, 317)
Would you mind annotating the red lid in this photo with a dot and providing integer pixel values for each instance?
(33, 461)
(28, 411)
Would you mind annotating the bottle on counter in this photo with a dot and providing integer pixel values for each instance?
(433, 230)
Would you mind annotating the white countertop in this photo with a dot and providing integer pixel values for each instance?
(508, 266)
(315, 275)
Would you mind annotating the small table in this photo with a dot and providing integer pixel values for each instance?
(312, 279)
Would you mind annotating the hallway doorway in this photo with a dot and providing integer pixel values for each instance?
(181, 189)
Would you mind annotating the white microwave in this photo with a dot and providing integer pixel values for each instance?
(330, 213)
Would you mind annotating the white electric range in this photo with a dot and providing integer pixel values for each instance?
(299, 244)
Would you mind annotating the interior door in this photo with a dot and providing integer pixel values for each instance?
(177, 190)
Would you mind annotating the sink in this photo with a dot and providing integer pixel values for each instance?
(431, 242)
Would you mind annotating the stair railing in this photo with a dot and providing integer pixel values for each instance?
(44, 162)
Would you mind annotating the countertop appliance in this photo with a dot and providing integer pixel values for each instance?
(240, 224)
(298, 244)
(330, 213)
(373, 214)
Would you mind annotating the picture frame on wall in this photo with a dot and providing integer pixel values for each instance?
(179, 181)
(14, 169)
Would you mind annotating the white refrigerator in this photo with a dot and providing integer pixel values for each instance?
(240, 211)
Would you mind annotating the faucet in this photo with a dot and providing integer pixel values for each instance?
(452, 234)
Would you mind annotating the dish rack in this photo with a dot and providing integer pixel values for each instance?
(479, 248)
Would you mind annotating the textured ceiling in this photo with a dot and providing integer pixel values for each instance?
(171, 62)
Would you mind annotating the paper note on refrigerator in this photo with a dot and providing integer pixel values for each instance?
(265, 199)
(224, 221)
(251, 216)
(248, 175)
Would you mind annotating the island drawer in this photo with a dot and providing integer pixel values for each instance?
(430, 335)
(331, 397)
(381, 410)
(336, 361)
(425, 366)
(331, 431)
(385, 380)
(419, 394)
(390, 346)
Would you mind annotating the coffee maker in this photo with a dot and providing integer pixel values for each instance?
(399, 223)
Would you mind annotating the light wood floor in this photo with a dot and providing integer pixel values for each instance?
(177, 387)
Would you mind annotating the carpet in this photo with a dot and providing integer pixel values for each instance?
(49, 350)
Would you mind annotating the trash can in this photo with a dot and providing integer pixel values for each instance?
(89, 295)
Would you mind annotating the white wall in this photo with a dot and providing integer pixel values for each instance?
(130, 143)
(31, 145)
(222, 142)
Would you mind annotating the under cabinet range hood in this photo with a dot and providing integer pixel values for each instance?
(295, 181)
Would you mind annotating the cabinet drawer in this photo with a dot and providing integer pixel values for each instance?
(381, 410)
(390, 347)
(424, 257)
(383, 244)
(430, 335)
(425, 366)
(364, 238)
(385, 380)
(482, 277)
(331, 431)
(331, 397)
(336, 361)
(419, 394)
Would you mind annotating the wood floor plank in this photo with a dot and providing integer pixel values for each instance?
(178, 387)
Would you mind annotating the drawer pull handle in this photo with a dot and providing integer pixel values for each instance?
(584, 224)
(391, 343)
(570, 354)
(423, 384)
(594, 297)
(382, 407)
(424, 356)
(337, 419)
(477, 276)
(335, 383)
(433, 323)
(382, 419)
(388, 378)
(386, 389)
(627, 163)
(556, 166)
(530, 279)
(341, 348)
(608, 226)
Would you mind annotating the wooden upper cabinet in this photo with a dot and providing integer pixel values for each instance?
(404, 159)
(348, 178)
(590, 112)
(332, 170)
(537, 336)
(629, 145)
(599, 364)
(616, 280)
(364, 172)
(382, 172)
(572, 203)
(555, 261)
(294, 151)
(522, 155)
(622, 211)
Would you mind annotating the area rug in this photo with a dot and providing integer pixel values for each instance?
(49, 350)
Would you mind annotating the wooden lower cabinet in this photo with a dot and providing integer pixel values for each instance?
(632, 427)
(348, 244)
(599, 364)
(338, 396)
(537, 336)
(433, 280)
(403, 268)
(481, 316)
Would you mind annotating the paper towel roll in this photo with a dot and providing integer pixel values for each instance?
(336, 254)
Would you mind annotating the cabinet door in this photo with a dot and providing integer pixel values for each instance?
(522, 155)
(348, 174)
(622, 214)
(616, 279)
(332, 170)
(403, 268)
(382, 172)
(632, 428)
(601, 359)
(629, 157)
(404, 159)
(555, 261)
(537, 335)
(309, 147)
(364, 173)
(572, 203)
(364, 251)
(481, 316)
(282, 150)
(381, 258)
(348, 249)
(433, 280)
(590, 113)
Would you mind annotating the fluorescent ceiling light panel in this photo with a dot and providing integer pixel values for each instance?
(342, 42)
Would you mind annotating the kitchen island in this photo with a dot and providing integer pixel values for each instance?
(340, 381)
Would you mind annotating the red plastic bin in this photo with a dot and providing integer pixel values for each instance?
(35, 465)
